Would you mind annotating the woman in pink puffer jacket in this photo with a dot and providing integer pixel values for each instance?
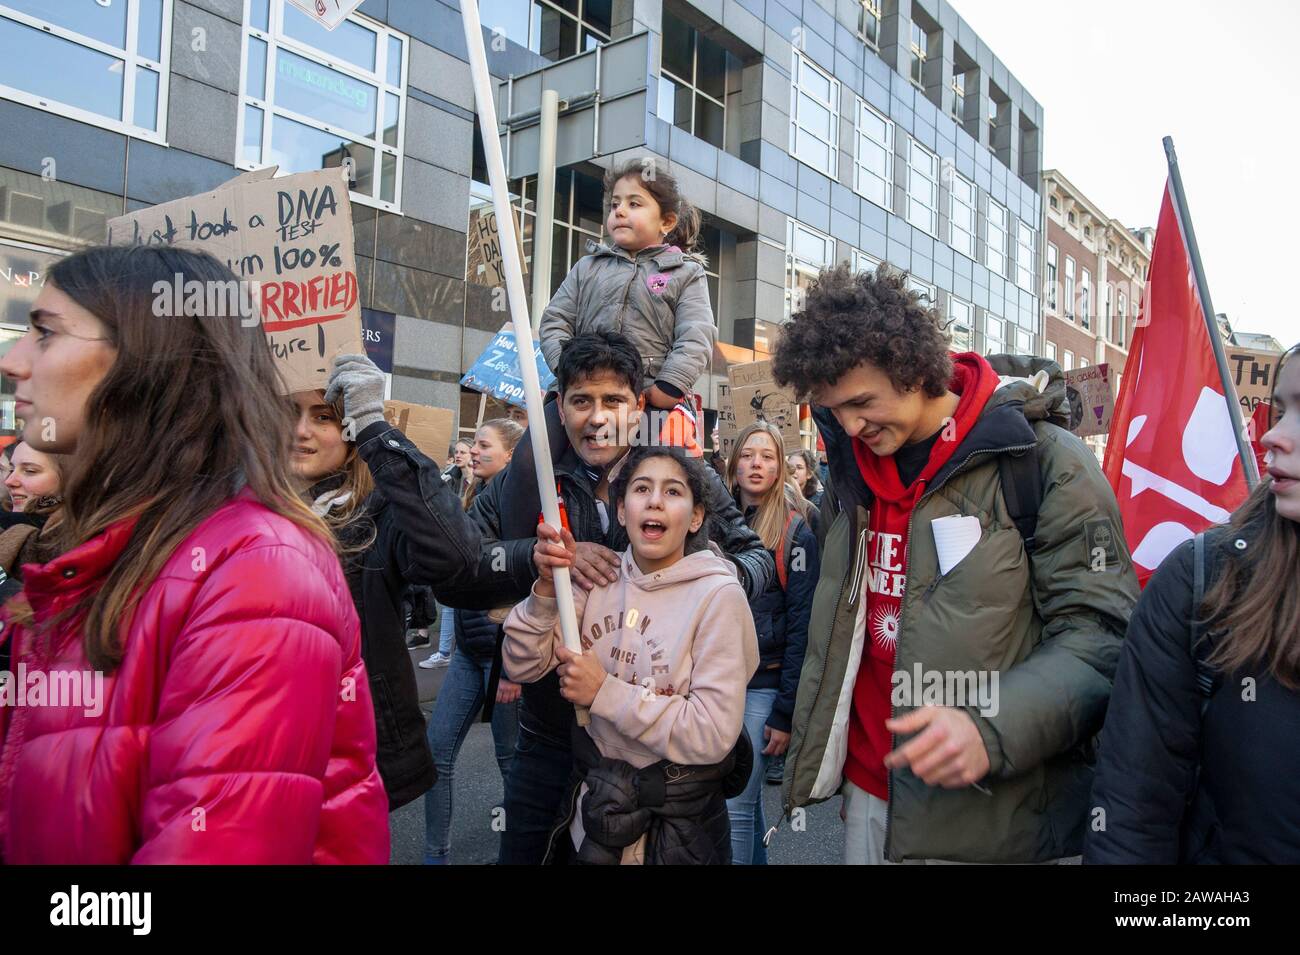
(204, 696)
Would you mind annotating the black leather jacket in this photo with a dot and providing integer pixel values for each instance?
(421, 536)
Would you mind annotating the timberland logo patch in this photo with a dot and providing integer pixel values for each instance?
(1102, 541)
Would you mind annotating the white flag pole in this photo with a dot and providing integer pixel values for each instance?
(487, 118)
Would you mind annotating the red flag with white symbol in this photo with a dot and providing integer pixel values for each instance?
(1172, 454)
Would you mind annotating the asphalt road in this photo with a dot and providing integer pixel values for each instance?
(477, 791)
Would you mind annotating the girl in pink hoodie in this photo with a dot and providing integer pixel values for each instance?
(668, 651)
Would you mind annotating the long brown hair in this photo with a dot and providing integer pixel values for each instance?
(509, 431)
(190, 412)
(1255, 603)
(779, 499)
(663, 186)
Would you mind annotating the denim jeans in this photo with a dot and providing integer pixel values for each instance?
(535, 793)
(446, 630)
(459, 702)
(746, 810)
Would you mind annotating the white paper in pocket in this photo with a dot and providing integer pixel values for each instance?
(954, 538)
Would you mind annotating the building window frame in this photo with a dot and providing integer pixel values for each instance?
(799, 92)
(1049, 350)
(1068, 297)
(963, 237)
(1121, 326)
(869, 17)
(804, 267)
(1067, 362)
(132, 62)
(930, 224)
(862, 141)
(1053, 268)
(961, 324)
(388, 96)
(918, 45)
(1085, 298)
(1026, 267)
(861, 262)
(691, 84)
(994, 329)
(583, 27)
(997, 221)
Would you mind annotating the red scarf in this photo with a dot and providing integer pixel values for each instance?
(973, 381)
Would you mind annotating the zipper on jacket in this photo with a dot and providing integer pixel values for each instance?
(854, 534)
(563, 825)
(898, 641)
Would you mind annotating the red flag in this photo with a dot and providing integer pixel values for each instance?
(1172, 453)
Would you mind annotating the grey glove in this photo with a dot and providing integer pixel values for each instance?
(361, 383)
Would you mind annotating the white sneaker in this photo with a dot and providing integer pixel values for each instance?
(434, 662)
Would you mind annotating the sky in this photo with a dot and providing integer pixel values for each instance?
(1115, 76)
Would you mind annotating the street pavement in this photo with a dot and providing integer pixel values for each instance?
(476, 791)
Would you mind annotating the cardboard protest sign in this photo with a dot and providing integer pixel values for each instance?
(1092, 399)
(1253, 374)
(290, 240)
(496, 371)
(727, 430)
(429, 429)
(328, 13)
(756, 397)
(483, 262)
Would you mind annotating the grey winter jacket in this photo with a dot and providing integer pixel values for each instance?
(658, 298)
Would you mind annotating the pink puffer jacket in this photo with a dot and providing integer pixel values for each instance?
(237, 729)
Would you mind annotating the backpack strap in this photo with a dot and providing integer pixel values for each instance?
(786, 546)
(1022, 488)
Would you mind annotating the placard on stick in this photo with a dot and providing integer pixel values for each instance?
(290, 239)
(429, 429)
(1254, 373)
(756, 397)
(1092, 400)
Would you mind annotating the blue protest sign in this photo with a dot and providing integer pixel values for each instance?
(496, 371)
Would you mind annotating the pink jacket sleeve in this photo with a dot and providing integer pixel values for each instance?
(532, 634)
(263, 746)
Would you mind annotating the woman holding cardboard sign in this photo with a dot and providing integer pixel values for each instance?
(213, 704)
(397, 524)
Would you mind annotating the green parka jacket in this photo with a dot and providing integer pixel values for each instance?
(1049, 628)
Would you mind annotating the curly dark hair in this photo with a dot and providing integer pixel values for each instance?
(851, 318)
(693, 470)
(590, 353)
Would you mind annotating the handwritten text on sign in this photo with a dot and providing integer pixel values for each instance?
(293, 237)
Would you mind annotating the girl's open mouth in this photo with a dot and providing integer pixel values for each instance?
(653, 530)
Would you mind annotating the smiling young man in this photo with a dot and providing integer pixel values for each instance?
(1035, 611)
(599, 376)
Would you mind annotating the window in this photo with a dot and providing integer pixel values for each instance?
(922, 188)
(995, 239)
(961, 216)
(869, 21)
(1087, 232)
(1083, 362)
(1085, 298)
(711, 245)
(958, 96)
(1052, 201)
(1024, 342)
(1107, 324)
(693, 82)
(1049, 350)
(1025, 266)
(104, 64)
(807, 252)
(863, 262)
(568, 27)
(314, 98)
(814, 117)
(993, 112)
(961, 324)
(1068, 363)
(1069, 288)
(1050, 291)
(929, 294)
(1121, 326)
(919, 46)
(992, 334)
(1069, 216)
(873, 156)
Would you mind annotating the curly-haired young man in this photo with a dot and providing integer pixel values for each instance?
(953, 709)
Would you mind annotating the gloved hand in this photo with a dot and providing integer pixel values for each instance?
(361, 383)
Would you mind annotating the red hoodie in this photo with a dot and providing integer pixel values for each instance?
(974, 381)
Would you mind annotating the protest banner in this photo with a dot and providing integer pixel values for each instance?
(289, 243)
(756, 397)
(1254, 373)
(483, 262)
(328, 13)
(496, 371)
(727, 430)
(1092, 399)
(429, 429)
